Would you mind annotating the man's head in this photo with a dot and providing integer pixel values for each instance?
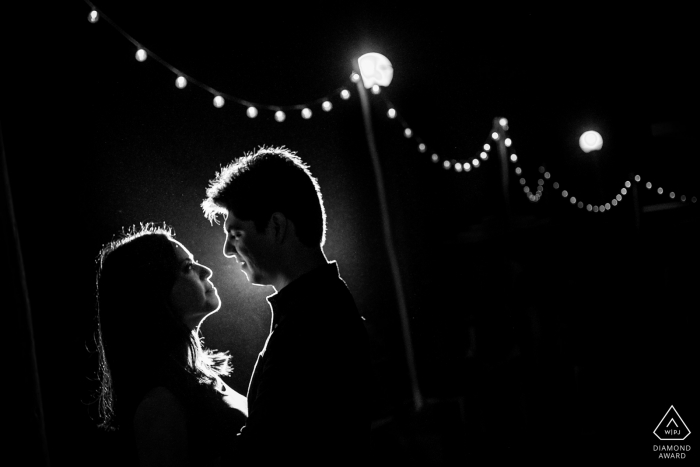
(255, 194)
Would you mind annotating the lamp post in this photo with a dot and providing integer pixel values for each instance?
(376, 70)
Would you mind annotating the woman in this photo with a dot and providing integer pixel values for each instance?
(159, 386)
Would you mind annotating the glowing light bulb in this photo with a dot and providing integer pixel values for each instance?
(607, 205)
(503, 122)
(660, 191)
(280, 116)
(526, 189)
(595, 208)
(391, 113)
(306, 113)
(540, 182)
(354, 77)
(140, 55)
(547, 175)
(375, 89)
(618, 197)
(446, 164)
(648, 185)
(494, 136)
(693, 199)
(513, 158)
(93, 17)
(573, 200)
(565, 193)
(683, 198)
(483, 155)
(602, 209)
(467, 167)
(345, 94)
(487, 147)
(434, 157)
(327, 106)
(407, 133)
(637, 178)
(614, 202)
(522, 181)
(421, 147)
(589, 208)
(672, 195)
(508, 142)
(475, 162)
(251, 112)
(180, 82)
(518, 170)
(623, 191)
(555, 185)
(579, 204)
(218, 102)
(628, 184)
(458, 167)
(590, 141)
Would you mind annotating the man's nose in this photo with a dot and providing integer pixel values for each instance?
(229, 249)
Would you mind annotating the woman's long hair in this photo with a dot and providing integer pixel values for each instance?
(141, 341)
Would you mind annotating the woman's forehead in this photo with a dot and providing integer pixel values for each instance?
(180, 251)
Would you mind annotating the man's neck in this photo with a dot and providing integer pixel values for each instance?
(297, 264)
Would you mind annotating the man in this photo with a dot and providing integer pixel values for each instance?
(308, 398)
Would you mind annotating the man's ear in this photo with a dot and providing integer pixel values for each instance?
(280, 224)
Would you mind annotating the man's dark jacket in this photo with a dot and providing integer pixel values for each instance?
(309, 397)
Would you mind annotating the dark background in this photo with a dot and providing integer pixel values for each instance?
(563, 337)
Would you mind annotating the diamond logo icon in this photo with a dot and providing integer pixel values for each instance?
(671, 427)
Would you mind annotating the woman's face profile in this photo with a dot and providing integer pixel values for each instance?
(193, 296)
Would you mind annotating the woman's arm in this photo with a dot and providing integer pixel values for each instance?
(234, 399)
(160, 429)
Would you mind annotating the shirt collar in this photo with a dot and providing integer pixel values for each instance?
(286, 299)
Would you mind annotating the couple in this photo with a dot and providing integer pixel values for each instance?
(308, 401)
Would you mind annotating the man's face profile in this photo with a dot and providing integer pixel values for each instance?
(252, 249)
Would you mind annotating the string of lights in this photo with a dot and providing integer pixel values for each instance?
(458, 164)
(615, 201)
(220, 98)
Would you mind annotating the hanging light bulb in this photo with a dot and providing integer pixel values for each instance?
(648, 185)
(93, 17)
(180, 82)
(421, 147)
(513, 158)
(637, 178)
(494, 136)
(458, 167)
(623, 191)
(522, 181)
(391, 113)
(434, 158)
(407, 133)
(280, 116)
(375, 89)
(306, 113)
(503, 122)
(508, 142)
(628, 184)
(345, 94)
(327, 106)
(547, 175)
(218, 102)
(672, 195)
(251, 112)
(565, 193)
(354, 77)
(487, 147)
(446, 164)
(475, 162)
(580, 204)
(556, 185)
(466, 166)
(483, 155)
(518, 170)
(140, 55)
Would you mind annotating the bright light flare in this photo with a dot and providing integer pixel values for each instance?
(180, 82)
(141, 55)
(590, 141)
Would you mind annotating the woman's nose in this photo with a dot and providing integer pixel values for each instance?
(205, 272)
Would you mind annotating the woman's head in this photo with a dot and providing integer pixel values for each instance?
(151, 297)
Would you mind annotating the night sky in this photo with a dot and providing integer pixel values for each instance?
(551, 332)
